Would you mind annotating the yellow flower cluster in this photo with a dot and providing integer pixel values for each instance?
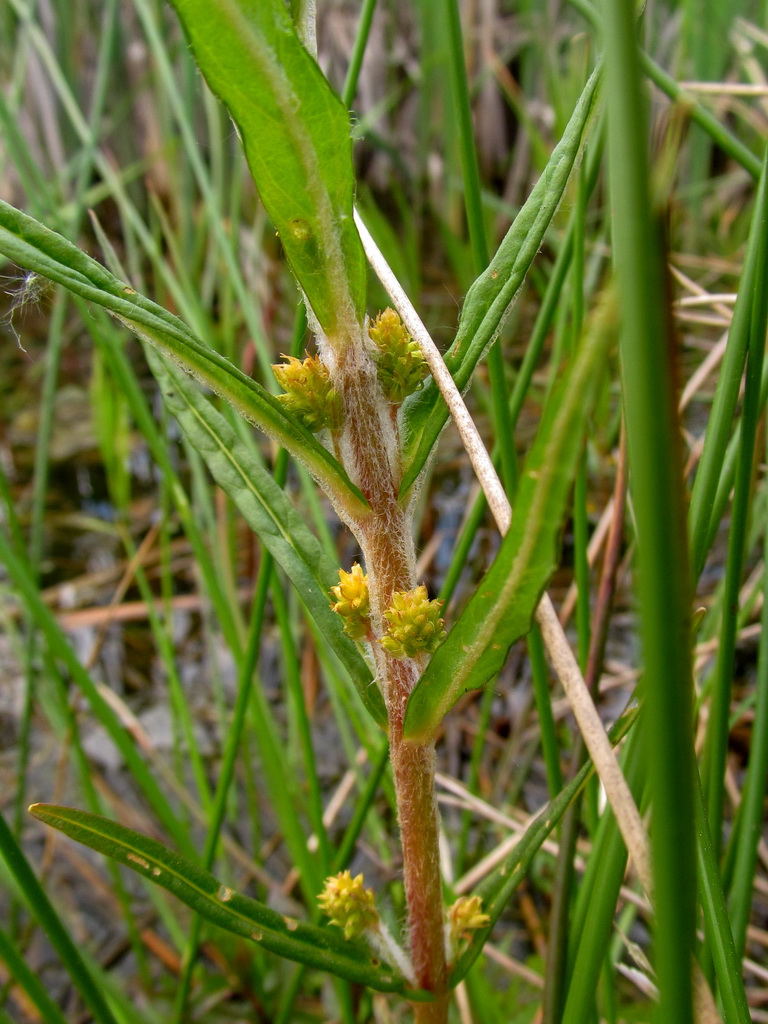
(401, 366)
(349, 905)
(352, 602)
(415, 626)
(465, 916)
(309, 394)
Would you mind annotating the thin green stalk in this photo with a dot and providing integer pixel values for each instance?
(474, 211)
(226, 772)
(547, 728)
(473, 776)
(162, 632)
(653, 436)
(111, 343)
(716, 741)
(358, 52)
(361, 808)
(593, 913)
(717, 927)
(710, 469)
(28, 981)
(719, 134)
(580, 518)
(295, 696)
(749, 823)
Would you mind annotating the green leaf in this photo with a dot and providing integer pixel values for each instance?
(498, 888)
(502, 606)
(323, 948)
(270, 514)
(33, 246)
(491, 296)
(296, 135)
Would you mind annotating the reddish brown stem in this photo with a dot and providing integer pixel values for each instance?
(369, 450)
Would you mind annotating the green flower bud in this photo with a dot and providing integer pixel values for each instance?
(309, 394)
(401, 366)
(352, 602)
(415, 626)
(349, 905)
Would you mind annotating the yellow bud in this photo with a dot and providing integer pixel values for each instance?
(415, 626)
(401, 366)
(309, 394)
(349, 905)
(465, 916)
(353, 602)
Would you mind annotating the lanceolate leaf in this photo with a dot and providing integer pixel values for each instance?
(33, 246)
(270, 514)
(491, 296)
(501, 608)
(296, 136)
(323, 948)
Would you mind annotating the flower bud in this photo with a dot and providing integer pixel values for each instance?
(465, 916)
(352, 602)
(415, 626)
(309, 394)
(400, 365)
(349, 905)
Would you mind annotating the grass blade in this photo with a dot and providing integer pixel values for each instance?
(751, 284)
(655, 458)
(716, 924)
(754, 310)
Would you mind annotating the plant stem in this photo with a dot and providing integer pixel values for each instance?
(368, 446)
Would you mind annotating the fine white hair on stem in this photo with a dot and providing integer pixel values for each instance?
(599, 746)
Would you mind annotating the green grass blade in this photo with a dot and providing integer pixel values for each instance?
(29, 982)
(32, 246)
(270, 514)
(716, 741)
(749, 823)
(719, 134)
(473, 203)
(595, 906)
(324, 948)
(54, 928)
(717, 927)
(501, 609)
(491, 295)
(297, 141)
(655, 458)
(751, 284)
(246, 674)
(296, 699)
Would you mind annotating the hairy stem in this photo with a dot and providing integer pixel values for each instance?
(368, 446)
